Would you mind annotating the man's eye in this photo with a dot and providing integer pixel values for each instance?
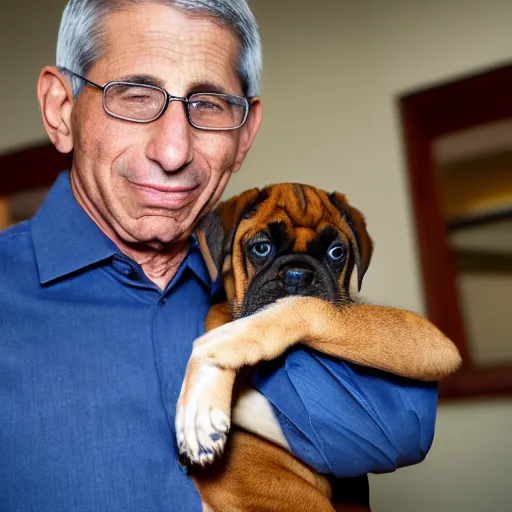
(336, 252)
(137, 96)
(133, 94)
(261, 249)
(204, 105)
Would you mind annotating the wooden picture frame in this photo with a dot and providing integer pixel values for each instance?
(427, 115)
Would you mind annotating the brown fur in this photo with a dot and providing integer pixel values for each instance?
(257, 475)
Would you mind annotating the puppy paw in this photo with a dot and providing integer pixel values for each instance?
(202, 416)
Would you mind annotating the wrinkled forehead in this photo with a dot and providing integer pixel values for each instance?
(171, 48)
(298, 216)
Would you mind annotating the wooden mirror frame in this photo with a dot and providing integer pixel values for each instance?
(427, 115)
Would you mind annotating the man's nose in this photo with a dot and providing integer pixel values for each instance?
(171, 140)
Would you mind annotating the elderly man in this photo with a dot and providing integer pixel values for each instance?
(103, 292)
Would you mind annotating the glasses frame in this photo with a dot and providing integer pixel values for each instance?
(169, 98)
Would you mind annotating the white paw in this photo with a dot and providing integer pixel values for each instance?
(201, 426)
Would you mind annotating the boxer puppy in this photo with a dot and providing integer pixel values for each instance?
(286, 254)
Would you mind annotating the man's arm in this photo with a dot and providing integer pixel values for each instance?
(347, 420)
(397, 342)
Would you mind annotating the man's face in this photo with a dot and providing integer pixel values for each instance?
(150, 182)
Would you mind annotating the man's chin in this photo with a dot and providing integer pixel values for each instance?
(162, 236)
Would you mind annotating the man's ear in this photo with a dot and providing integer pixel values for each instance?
(56, 102)
(248, 132)
(216, 230)
(361, 241)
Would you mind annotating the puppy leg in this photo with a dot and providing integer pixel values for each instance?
(201, 421)
(219, 314)
(397, 341)
(394, 340)
(258, 476)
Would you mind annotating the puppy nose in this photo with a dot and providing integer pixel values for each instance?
(295, 278)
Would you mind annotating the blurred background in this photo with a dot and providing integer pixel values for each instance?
(406, 107)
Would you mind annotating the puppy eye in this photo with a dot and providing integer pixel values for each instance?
(261, 249)
(336, 252)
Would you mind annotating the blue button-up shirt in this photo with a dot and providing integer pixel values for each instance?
(92, 355)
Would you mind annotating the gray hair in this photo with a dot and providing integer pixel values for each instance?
(81, 31)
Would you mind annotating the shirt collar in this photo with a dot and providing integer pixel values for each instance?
(66, 239)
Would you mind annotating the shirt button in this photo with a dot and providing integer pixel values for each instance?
(162, 301)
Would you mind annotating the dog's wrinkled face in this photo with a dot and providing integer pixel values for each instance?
(295, 261)
(286, 239)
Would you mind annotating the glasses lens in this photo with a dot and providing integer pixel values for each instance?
(136, 102)
(217, 111)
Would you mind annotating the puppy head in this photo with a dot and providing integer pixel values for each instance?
(286, 239)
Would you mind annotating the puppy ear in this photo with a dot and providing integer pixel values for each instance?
(363, 244)
(216, 230)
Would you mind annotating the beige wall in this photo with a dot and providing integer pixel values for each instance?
(28, 31)
(333, 70)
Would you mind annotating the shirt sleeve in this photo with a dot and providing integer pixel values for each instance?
(347, 420)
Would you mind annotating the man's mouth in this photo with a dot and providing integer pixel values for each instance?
(170, 197)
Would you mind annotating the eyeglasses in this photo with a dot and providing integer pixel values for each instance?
(142, 103)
